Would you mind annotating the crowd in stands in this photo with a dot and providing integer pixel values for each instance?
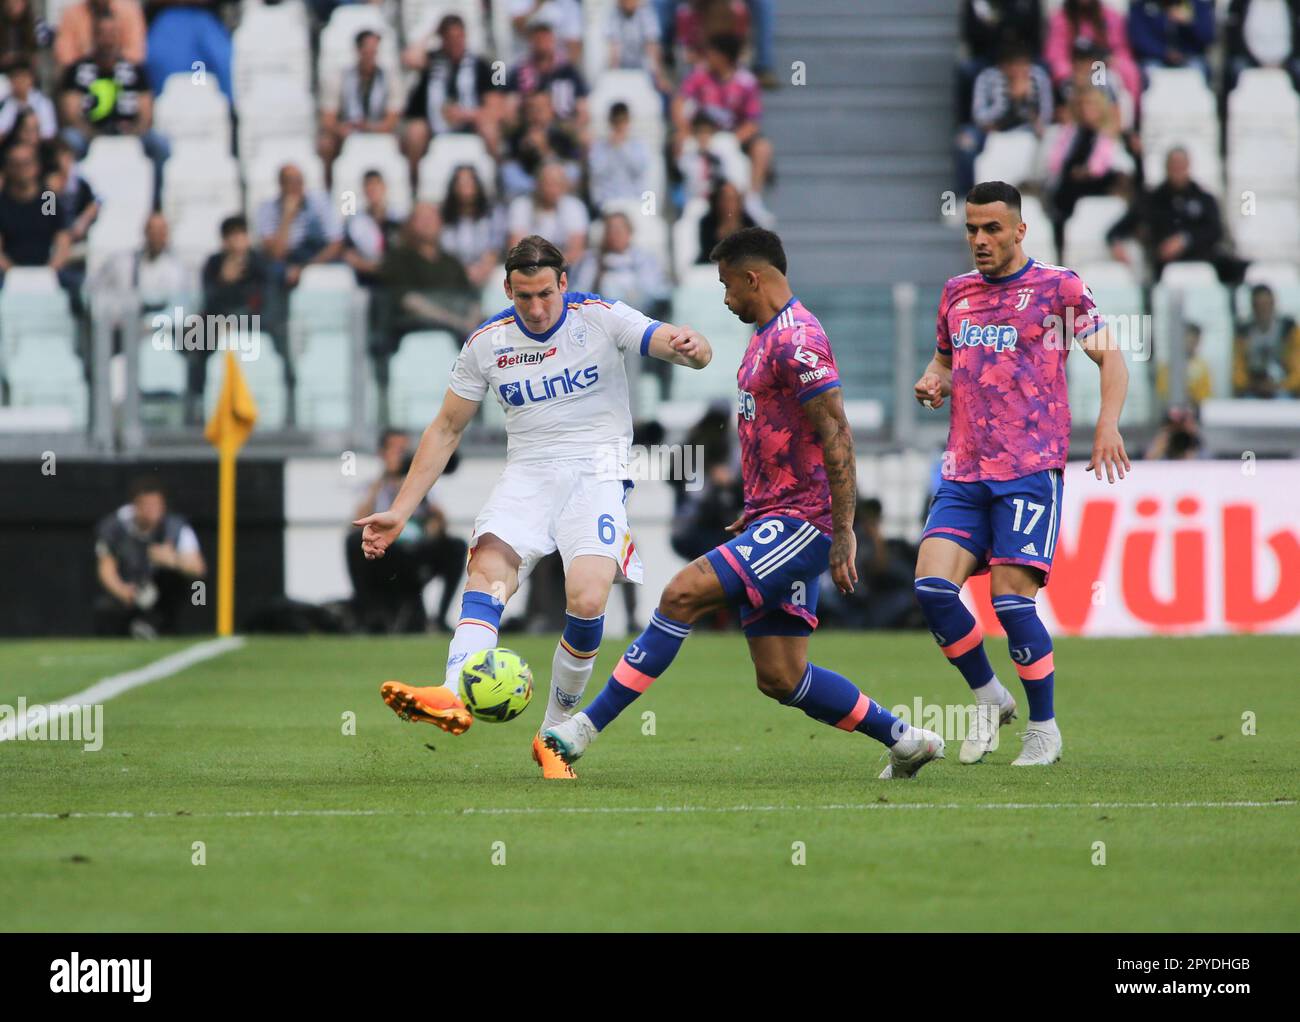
(1153, 134)
(543, 138)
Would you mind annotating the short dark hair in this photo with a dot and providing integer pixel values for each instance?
(449, 21)
(726, 43)
(371, 173)
(750, 243)
(388, 434)
(363, 35)
(619, 109)
(534, 253)
(141, 485)
(994, 191)
(231, 224)
(1260, 289)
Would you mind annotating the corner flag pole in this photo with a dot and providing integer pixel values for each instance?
(231, 423)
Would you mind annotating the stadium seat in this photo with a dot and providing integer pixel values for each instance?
(1085, 231)
(338, 50)
(34, 311)
(1039, 241)
(418, 376)
(197, 235)
(1205, 302)
(1008, 156)
(1271, 232)
(366, 151)
(46, 372)
(1263, 104)
(1112, 274)
(200, 182)
(265, 377)
(1083, 383)
(323, 390)
(1264, 166)
(276, 111)
(699, 303)
(686, 237)
(122, 176)
(189, 110)
(636, 90)
(159, 372)
(323, 303)
(648, 232)
(1119, 299)
(1276, 275)
(270, 50)
(735, 164)
(446, 153)
(1178, 109)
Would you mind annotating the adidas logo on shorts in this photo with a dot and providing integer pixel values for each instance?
(745, 551)
(1030, 549)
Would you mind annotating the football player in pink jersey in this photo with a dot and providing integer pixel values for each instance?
(1003, 334)
(800, 495)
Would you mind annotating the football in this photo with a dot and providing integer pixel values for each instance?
(496, 684)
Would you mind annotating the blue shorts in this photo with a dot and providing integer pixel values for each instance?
(1009, 521)
(771, 574)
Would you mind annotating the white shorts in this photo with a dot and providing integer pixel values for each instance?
(563, 505)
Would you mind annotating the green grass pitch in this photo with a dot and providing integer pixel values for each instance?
(695, 827)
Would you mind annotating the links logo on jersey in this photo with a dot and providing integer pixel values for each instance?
(524, 358)
(746, 405)
(563, 384)
(997, 336)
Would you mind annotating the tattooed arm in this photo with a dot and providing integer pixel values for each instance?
(826, 412)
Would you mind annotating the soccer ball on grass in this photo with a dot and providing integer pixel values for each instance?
(496, 685)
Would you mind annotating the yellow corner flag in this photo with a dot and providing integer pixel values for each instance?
(229, 427)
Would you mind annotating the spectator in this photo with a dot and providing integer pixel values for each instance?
(76, 35)
(147, 559)
(297, 228)
(26, 131)
(155, 273)
(22, 32)
(1199, 382)
(1104, 27)
(1262, 33)
(727, 214)
(236, 280)
(1016, 95)
(24, 97)
(28, 236)
(698, 21)
(541, 138)
(1177, 439)
(473, 228)
(621, 270)
(183, 33)
(700, 161)
(632, 31)
(618, 166)
(987, 26)
(72, 192)
(1085, 156)
(1266, 352)
(369, 233)
(1178, 221)
(564, 17)
(544, 70)
(365, 101)
(106, 93)
(426, 288)
(730, 96)
(552, 213)
(1172, 33)
(1084, 75)
(456, 92)
(388, 597)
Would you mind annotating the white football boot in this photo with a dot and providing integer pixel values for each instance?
(570, 738)
(1042, 744)
(911, 752)
(985, 737)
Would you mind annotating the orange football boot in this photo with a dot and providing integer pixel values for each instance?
(432, 704)
(553, 768)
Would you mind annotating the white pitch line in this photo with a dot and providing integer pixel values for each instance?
(239, 814)
(115, 685)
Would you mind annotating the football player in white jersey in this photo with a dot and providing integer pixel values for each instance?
(555, 362)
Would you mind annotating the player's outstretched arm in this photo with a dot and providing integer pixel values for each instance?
(826, 412)
(1107, 444)
(440, 439)
(936, 382)
(680, 345)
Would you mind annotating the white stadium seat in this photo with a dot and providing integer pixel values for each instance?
(363, 152)
(644, 105)
(338, 48)
(1085, 231)
(187, 109)
(265, 377)
(446, 153)
(270, 48)
(1206, 303)
(1007, 156)
(1271, 232)
(686, 237)
(418, 376)
(1039, 240)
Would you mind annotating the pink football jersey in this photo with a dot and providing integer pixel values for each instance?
(788, 361)
(1008, 338)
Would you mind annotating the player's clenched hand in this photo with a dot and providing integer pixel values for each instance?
(1108, 451)
(689, 344)
(844, 556)
(737, 525)
(929, 390)
(378, 532)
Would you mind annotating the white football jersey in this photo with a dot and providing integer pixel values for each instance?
(564, 392)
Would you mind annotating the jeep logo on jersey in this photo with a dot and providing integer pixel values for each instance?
(566, 382)
(524, 358)
(746, 405)
(996, 336)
